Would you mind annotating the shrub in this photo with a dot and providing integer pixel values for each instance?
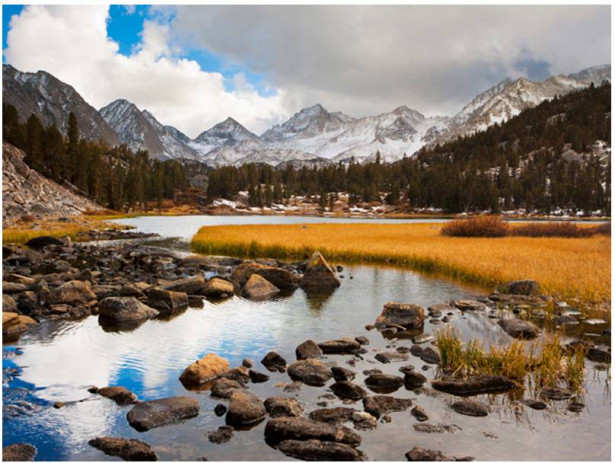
(560, 229)
(481, 226)
(604, 229)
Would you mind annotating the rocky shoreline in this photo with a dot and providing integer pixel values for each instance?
(126, 284)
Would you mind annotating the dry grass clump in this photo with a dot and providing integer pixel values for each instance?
(559, 229)
(484, 226)
(57, 230)
(579, 268)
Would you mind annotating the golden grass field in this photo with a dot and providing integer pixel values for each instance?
(565, 267)
(21, 232)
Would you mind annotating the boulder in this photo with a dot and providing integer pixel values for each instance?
(240, 374)
(221, 435)
(379, 405)
(381, 382)
(319, 275)
(335, 415)
(203, 370)
(167, 302)
(131, 290)
(523, 288)
(297, 428)
(41, 242)
(13, 288)
(154, 413)
(217, 288)
(283, 406)
(308, 350)
(405, 315)
(316, 450)
(245, 409)
(473, 385)
(274, 362)
(126, 449)
(414, 379)
(258, 288)
(8, 304)
(280, 277)
(519, 329)
(14, 325)
(311, 371)
(348, 390)
(18, 452)
(190, 285)
(120, 395)
(342, 374)
(340, 346)
(224, 388)
(124, 310)
(72, 292)
(257, 376)
(470, 408)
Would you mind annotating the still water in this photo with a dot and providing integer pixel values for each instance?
(60, 360)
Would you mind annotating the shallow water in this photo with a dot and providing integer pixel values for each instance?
(60, 360)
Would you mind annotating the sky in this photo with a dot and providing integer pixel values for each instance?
(193, 66)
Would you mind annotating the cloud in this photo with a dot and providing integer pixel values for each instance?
(71, 43)
(365, 59)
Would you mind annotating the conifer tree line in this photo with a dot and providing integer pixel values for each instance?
(116, 177)
(518, 164)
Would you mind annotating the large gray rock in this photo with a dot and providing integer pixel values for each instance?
(407, 315)
(316, 450)
(126, 449)
(311, 371)
(258, 288)
(245, 409)
(281, 429)
(319, 275)
(520, 329)
(124, 310)
(154, 413)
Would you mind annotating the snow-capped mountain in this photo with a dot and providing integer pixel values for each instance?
(140, 130)
(51, 100)
(226, 134)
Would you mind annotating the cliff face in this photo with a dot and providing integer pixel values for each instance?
(25, 191)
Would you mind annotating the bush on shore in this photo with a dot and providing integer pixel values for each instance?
(482, 226)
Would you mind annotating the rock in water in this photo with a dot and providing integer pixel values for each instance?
(470, 408)
(335, 415)
(283, 406)
(342, 374)
(391, 356)
(154, 413)
(245, 409)
(167, 302)
(473, 385)
(419, 413)
(311, 371)
(430, 355)
(281, 429)
(258, 288)
(406, 315)
(414, 379)
(523, 288)
(126, 449)
(279, 277)
(556, 393)
(421, 454)
(217, 288)
(14, 325)
(348, 390)
(308, 350)
(73, 293)
(224, 388)
(379, 405)
(319, 275)
(124, 311)
(340, 346)
(206, 369)
(190, 285)
(274, 362)
(221, 435)
(120, 395)
(18, 452)
(520, 329)
(315, 450)
(384, 382)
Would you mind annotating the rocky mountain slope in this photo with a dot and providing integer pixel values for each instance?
(51, 100)
(25, 191)
(140, 130)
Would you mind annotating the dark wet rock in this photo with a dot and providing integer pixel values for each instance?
(239, 374)
(220, 409)
(224, 388)
(191, 285)
(421, 454)
(523, 288)
(319, 275)
(362, 340)
(154, 413)
(120, 395)
(297, 428)
(556, 393)
(245, 409)
(295, 386)
(596, 354)
(414, 379)
(379, 405)
(274, 362)
(406, 369)
(470, 408)
(217, 288)
(73, 293)
(311, 371)
(335, 415)
(576, 407)
(404, 315)
(535, 404)
(416, 350)
(519, 329)
(41, 242)
(221, 435)
(19, 452)
(258, 288)
(342, 374)
(126, 449)
(369, 327)
(470, 304)
(167, 302)
(386, 419)
(340, 346)
(473, 385)
(436, 428)
(283, 406)
(391, 356)
(247, 363)
(403, 349)
(203, 370)
(258, 377)
(348, 390)
(381, 382)
(372, 371)
(124, 310)
(308, 350)
(316, 450)
(419, 413)
(430, 355)
(363, 420)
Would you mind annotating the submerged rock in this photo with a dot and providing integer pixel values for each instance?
(41, 242)
(391, 356)
(335, 415)
(379, 405)
(421, 454)
(258, 288)
(348, 390)
(470, 304)
(126, 449)
(154, 413)
(281, 429)
(245, 409)
(519, 329)
(419, 413)
(319, 275)
(405, 315)
(436, 428)
(312, 372)
(18, 452)
(474, 385)
(316, 450)
(221, 435)
(556, 393)
(470, 408)
(120, 395)
(203, 370)
(535, 404)
(283, 406)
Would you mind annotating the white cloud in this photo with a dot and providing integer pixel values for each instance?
(71, 43)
